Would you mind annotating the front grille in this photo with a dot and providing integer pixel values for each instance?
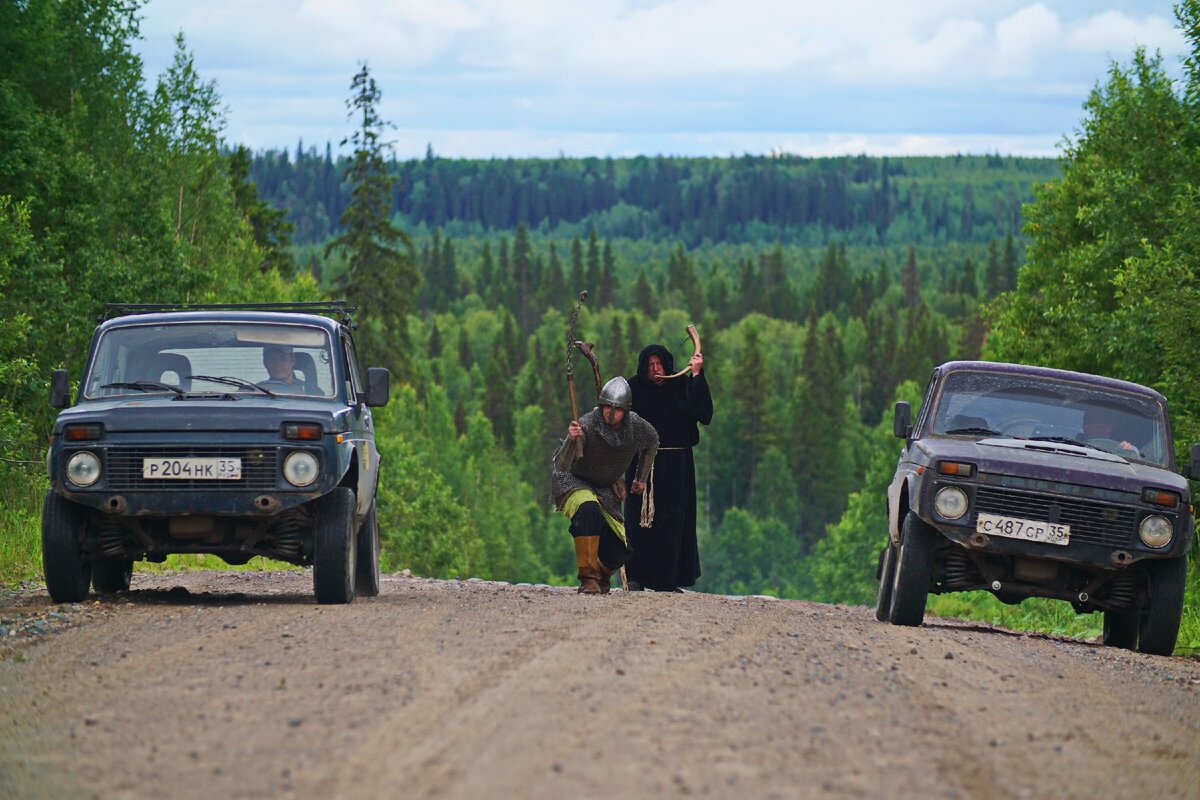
(1091, 522)
(124, 468)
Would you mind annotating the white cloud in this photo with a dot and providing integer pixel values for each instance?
(1114, 34)
(667, 65)
(1021, 38)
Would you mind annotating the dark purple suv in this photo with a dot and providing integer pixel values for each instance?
(1034, 482)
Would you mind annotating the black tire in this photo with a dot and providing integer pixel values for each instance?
(366, 573)
(1120, 629)
(68, 574)
(333, 548)
(887, 574)
(914, 572)
(1160, 622)
(111, 575)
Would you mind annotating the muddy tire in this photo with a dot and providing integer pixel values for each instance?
(1120, 629)
(1160, 622)
(68, 574)
(334, 548)
(914, 572)
(366, 574)
(887, 574)
(111, 575)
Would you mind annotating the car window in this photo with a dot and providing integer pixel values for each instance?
(285, 359)
(1027, 407)
(354, 381)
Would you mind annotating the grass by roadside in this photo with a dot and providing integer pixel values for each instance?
(20, 526)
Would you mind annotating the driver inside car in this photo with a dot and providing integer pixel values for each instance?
(280, 363)
(1098, 431)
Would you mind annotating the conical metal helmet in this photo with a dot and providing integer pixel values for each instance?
(617, 393)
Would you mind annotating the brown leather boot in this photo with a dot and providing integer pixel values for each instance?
(586, 558)
(604, 579)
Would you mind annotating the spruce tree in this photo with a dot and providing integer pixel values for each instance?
(381, 276)
(910, 280)
(271, 231)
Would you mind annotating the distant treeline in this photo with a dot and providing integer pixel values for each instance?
(790, 199)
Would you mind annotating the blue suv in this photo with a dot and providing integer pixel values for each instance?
(238, 431)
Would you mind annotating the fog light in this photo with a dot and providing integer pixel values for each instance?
(1156, 531)
(83, 469)
(300, 468)
(951, 502)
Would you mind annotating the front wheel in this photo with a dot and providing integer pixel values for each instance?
(887, 574)
(366, 572)
(68, 574)
(1120, 629)
(1160, 622)
(111, 575)
(334, 548)
(914, 572)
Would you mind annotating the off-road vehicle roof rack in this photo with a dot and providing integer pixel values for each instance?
(333, 308)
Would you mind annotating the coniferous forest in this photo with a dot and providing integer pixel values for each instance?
(824, 290)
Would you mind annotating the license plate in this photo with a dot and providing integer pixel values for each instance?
(192, 469)
(1029, 529)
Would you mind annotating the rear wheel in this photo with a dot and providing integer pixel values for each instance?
(367, 569)
(334, 548)
(1160, 622)
(67, 573)
(914, 572)
(111, 575)
(887, 574)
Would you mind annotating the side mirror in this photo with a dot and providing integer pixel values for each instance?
(60, 389)
(1193, 468)
(900, 423)
(378, 386)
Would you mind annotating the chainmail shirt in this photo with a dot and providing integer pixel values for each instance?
(607, 453)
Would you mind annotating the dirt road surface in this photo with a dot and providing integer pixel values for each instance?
(227, 685)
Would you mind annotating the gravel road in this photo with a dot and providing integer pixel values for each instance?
(236, 684)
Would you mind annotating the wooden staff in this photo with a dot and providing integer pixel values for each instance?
(573, 450)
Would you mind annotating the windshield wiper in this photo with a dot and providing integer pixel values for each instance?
(984, 431)
(228, 381)
(144, 386)
(1060, 439)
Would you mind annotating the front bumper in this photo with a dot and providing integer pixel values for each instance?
(1104, 524)
(261, 490)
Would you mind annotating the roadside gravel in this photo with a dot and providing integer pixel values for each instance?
(236, 684)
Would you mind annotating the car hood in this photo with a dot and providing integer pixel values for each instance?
(1050, 461)
(134, 414)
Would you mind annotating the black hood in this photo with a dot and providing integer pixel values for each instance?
(668, 361)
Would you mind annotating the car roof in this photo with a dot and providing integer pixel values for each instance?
(172, 317)
(1050, 372)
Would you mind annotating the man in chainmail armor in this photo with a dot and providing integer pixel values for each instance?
(590, 492)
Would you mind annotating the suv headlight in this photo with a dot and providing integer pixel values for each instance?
(83, 468)
(951, 502)
(1156, 531)
(301, 468)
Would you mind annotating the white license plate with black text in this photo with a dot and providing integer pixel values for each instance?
(192, 469)
(1031, 530)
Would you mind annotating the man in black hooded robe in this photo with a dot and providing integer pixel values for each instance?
(665, 555)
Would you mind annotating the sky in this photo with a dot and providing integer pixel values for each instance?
(543, 78)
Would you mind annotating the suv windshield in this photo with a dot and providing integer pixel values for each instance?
(212, 358)
(981, 404)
